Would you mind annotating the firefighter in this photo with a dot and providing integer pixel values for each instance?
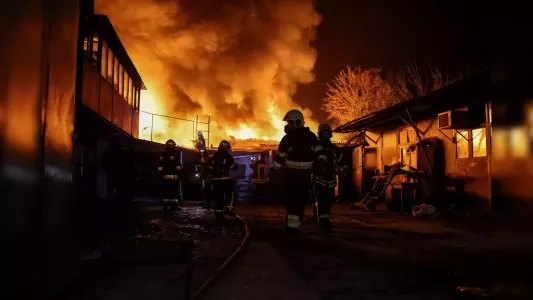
(292, 168)
(325, 170)
(200, 142)
(259, 174)
(205, 177)
(170, 167)
(256, 165)
(222, 163)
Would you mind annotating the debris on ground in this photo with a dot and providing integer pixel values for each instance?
(473, 291)
(423, 210)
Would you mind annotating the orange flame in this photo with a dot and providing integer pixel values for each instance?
(239, 64)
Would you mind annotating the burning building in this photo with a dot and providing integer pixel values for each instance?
(238, 61)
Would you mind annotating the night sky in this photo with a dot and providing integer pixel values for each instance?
(389, 34)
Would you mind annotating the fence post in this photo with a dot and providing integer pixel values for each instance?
(208, 129)
(152, 129)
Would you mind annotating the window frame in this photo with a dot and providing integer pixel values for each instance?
(115, 73)
(110, 65)
(470, 140)
(120, 80)
(459, 134)
(483, 129)
(103, 59)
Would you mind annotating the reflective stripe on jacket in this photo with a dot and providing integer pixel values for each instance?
(295, 150)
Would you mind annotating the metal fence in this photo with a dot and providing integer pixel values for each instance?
(158, 128)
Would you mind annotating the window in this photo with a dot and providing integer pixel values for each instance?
(404, 139)
(462, 144)
(115, 74)
(126, 87)
(110, 59)
(408, 156)
(479, 142)
(407, 136)
(85, 44)
(95, 47)
(405, 156)
(414, 157)
(411, 135)
(518, 142)
(471, 143)
(130, 91)
(120, 80)
(138, 98)
(103, 62)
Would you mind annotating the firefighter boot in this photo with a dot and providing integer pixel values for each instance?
(292, 226)
(228, 210)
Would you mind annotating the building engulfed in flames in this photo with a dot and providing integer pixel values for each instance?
(241, 65)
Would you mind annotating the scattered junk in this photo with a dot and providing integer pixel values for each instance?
(423, 210)
(410, 184)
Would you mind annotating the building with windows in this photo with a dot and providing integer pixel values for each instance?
(111, 85)
(469, 160)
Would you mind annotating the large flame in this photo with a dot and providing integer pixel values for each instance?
(238, 61)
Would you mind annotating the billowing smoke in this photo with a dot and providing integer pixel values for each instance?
(238, 60)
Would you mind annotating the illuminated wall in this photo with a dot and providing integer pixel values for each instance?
(512, 153)
(37, 102)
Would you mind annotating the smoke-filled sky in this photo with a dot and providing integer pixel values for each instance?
(246, 62)
(240, 61)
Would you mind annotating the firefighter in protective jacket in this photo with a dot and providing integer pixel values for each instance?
(203, 168)
(326, 166)
(170, 167)
(292, 168)
(222, 163)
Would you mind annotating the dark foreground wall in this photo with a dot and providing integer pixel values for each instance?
(37, 92)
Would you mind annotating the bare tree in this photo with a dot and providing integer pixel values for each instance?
(356, 92)
(410, 83)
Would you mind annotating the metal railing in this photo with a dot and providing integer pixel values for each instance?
(156, 127)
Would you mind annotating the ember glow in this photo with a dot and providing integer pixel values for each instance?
(238, 61)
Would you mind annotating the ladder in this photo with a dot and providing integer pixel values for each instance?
(202, 124)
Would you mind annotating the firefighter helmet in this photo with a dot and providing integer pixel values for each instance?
(224, 145)
(170, 144)
(200, 133)
(324, 130)
(294, 117)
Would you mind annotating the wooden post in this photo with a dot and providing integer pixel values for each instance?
(152, 130)
(413, 124)
(196, 127)
(208, 129)
(488, 139)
